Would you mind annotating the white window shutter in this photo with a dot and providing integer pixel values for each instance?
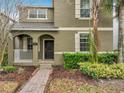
(77, 42)
(77, 8)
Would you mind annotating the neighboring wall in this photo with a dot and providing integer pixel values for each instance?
(64, 15)
(23, 14)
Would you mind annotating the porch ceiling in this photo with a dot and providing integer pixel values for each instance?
(35, 26)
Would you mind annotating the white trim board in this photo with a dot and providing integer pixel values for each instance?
(60, 53)
(65, 29)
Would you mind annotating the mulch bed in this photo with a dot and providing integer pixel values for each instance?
(19, 78)
(60, 74)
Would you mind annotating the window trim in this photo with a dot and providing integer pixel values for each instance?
(82, 42)
(46, 13)
(86, 18)
(77, 45)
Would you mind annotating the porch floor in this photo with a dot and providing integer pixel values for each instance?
(38, 82)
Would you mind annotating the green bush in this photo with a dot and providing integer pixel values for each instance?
(5, 59)
(107, 58)
(71, 60)
(99, 70)
(9, 69)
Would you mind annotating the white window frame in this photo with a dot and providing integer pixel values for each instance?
(77, 41)
(86, 18)
(46, 13)
(83, 42)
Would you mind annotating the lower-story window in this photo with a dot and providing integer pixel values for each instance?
(84, 42)
(29, 43)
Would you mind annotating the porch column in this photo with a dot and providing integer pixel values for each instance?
(35, 49)
(17, 43)
(25, 43)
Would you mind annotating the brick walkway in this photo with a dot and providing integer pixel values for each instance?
(38, 82)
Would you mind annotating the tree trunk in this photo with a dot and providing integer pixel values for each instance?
(95, 12)
(2, 53)
(121, 34)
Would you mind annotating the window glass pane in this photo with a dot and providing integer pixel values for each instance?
(84, 42)
(42, 14)
(85, 8)
(85, 13)
(85, 4)
(29, 43)
(33, 14)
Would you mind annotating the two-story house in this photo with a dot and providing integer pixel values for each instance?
(43, 34)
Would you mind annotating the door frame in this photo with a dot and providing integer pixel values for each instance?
(44, 47)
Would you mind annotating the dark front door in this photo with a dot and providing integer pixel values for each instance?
(49, 49)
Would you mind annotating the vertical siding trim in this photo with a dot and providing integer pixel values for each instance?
(77, 8)
(77, 42)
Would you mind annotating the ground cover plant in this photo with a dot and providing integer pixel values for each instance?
(99, 70)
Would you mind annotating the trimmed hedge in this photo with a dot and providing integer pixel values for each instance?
(99, 70)
(107, 58)
(72, 59)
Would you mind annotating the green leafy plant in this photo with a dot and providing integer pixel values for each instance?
(99, 70)
(71, 60)
(9, 69)
(108, 58)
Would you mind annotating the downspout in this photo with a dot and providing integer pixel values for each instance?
(115, 26)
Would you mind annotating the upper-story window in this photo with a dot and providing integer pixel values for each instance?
(85, 8)
(38, 14)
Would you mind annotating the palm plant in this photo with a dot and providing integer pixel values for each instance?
(108, 5)
(95, 9)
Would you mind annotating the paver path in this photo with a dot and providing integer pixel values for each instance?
(38, 82)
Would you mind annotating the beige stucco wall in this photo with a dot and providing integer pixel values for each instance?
(64, 15)
(23, 14)
(64, 41)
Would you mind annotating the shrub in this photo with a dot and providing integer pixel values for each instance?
(108, 58)
(9, 69)
(71, 60)
(99, 70)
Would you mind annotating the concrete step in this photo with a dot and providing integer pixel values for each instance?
(45, 66)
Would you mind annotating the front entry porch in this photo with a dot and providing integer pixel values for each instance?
(29, 50)
(46, 48)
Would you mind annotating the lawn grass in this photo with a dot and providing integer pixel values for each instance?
(8, 87)
(71, 86)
